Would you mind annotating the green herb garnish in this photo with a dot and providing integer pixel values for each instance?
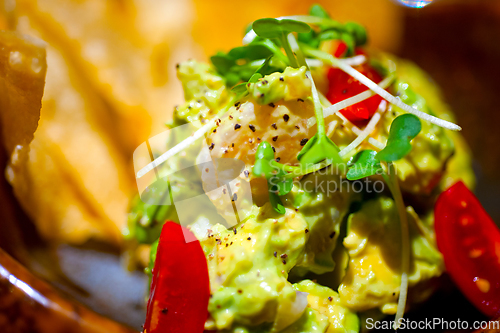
(403, 129)
(364, 164)
(265, 166)
(271, 28)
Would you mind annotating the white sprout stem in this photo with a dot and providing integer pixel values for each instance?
(335, 108)
(366, 132)
(375, 143)
(392, 181)
(403, 294)
(178, 148)
(384, 94)
(352, 61)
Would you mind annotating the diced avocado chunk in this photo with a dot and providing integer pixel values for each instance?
(373, 242)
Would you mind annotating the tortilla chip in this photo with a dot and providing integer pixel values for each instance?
(108, 75)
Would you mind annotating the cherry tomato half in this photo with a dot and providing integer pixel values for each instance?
(470, 243)
(180, 290)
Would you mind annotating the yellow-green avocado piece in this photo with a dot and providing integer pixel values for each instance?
(373, 242)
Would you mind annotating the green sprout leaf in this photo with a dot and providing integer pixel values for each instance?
(403, 129)
(252, 51)
(262, 168)
(283, 185)
(263, 161)
(319, 148)
(265, 151)
(276, 203)
(239, 91)
(358, 32)
(265, 166)
(364, 164)
(273, 28)
(222, 62)
(318, 11)
(350, 42)
(255, 77)
(279, 29)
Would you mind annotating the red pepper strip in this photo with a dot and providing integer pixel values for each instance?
(343, 86)
(180, 290)
(470, 243)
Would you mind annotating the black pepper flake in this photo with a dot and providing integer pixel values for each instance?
(278, 159)
(237, 104)
(275, 138)
(275, 254)
(272, 105)
(232, 144)
(164, 310)
(237, 127)
(286, 117)
(249, 238)
(284, 256)
(252, 127)
(230, 117)
(330, 298)
(306, 231)
(240, 291)
(235, 231)
(303, 142)
(283, 261)
(297, 127)
(282, 79)
(393, 294)
(258, 139)
(227, 244)
(212, 145)
(300, 100)
(344, 91)
(235, 197)
(215, 130)
(261, 95)
(225, 151)
(274, 149)
(332, 234)
(246, 173)
(274, 126)
(177, 66)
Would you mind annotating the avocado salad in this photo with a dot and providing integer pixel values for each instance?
(325, 217)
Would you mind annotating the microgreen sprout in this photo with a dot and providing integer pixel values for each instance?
(272, 28)
(265, 166)
(367, 163)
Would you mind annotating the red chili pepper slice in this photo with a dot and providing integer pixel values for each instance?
(180, 288)
(343, 86)
(470, 243)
